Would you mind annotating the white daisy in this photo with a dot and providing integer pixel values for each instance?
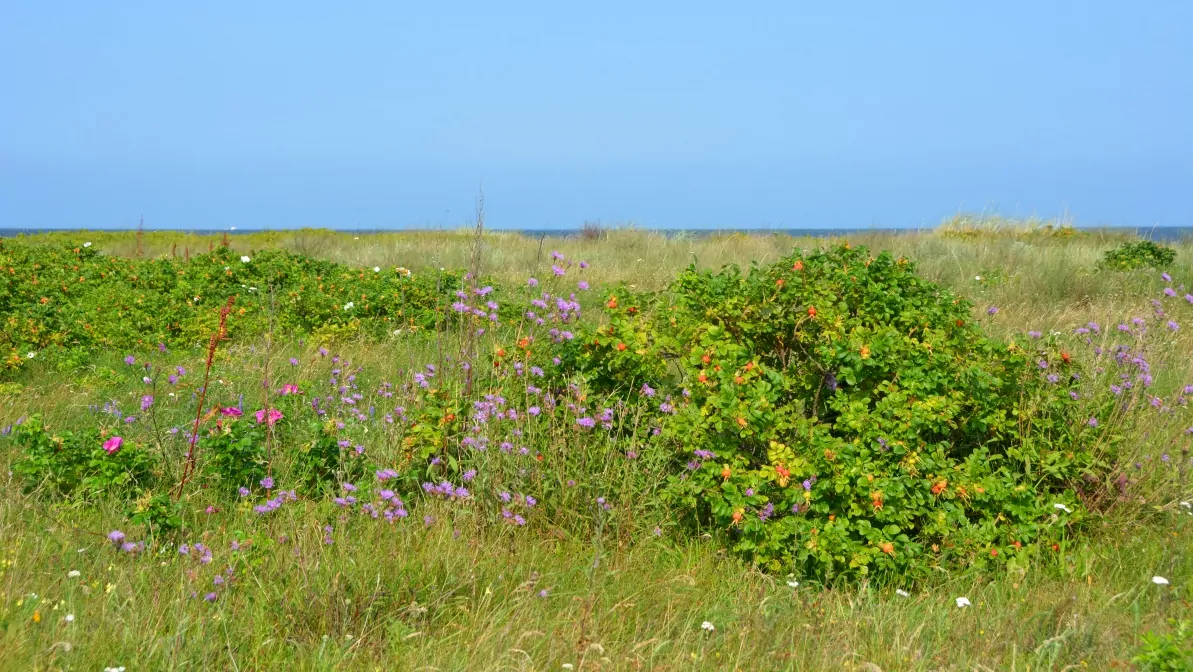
(376, 269)
(87, 244)
(962, 602)
(707, 626)
(245, 260)
(902, 593)
(1061, 507)
(73, 573)
(1159, 581)
(349, 305)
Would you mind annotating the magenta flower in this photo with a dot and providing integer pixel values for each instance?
(231, 412)
(269, 416)
(289, 388)
(112, 445)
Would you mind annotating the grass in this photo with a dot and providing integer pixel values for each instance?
(459, 593)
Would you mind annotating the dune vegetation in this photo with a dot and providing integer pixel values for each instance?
(966, 448)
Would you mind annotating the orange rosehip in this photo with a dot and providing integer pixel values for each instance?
(811, 311)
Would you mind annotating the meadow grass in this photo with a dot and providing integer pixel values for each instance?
(629, 592)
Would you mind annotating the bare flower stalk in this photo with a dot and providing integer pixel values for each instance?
(220, 334)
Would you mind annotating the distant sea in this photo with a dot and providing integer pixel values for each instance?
(1169, 234)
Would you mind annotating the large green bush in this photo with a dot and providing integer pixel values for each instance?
(835, 414)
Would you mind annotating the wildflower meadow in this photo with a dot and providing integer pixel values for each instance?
(959, 449)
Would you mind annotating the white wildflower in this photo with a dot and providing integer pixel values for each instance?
(376, 269)
(31, 355)
(245, 260)
(902, 593)
(73, 573)
(707, 627)
(1159, 581)
(962, 602)
(793, 583)
(69, 618)
(1061, 507)
(87, 244)
(349, 305)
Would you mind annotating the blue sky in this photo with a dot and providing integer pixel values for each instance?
(391, 114)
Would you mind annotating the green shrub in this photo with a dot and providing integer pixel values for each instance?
(836, 415)
(76, 463)
(233, 453)
(63, 304)
(1139, 254)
